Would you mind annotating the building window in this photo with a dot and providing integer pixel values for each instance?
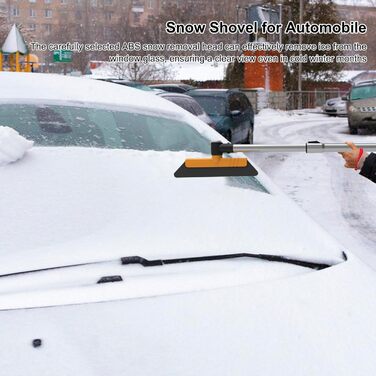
(47, 1)
(47, 28)
(78, 15)
(93, 3)
(32, 27)
(136, 18)
(48, 13)
(32, 12)
(64, 2)
(109, 16)
(150, 4)
(32, 1)
(107, 33)
(108, 2)
(15, 11)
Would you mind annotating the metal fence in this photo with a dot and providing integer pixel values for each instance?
(309, 99)
(290, 100)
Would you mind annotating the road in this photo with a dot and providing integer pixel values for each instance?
(339, 199)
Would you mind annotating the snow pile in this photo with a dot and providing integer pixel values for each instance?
(12, 145)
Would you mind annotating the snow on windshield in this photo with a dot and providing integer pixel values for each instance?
(12, 146)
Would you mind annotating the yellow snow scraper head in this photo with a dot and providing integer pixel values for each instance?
(216, 165)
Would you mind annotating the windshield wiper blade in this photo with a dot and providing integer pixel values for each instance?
(149, 263)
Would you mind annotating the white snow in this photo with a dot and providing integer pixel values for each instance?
(356, 3)
(200, 72)
(178, 71)
(52, 88)
(12, 145)
(14, 42)
(244, 317)
(339, 199)
(318, 323)
(86, 204)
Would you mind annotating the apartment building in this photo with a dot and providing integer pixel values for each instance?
(43, 17)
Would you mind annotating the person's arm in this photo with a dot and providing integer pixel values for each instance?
(356, 159)
(369, 168)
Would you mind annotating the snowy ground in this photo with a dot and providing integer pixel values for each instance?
(340, 200)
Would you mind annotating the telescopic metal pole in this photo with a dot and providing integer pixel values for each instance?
(309, 147)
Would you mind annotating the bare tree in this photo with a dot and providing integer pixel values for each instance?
(4, 27)
(353, 10)
(142, 72)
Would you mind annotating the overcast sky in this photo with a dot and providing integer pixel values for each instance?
(357, 2)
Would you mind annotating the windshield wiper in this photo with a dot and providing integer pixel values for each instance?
(148, 263)
(159, 262)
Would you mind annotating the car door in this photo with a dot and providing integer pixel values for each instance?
(248, 112)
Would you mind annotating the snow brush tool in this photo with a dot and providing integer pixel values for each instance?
(216, 165)
(222, 167)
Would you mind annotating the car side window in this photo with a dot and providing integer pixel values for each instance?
(245, 102)
(183, 103)
(196, 108)
(235, 103)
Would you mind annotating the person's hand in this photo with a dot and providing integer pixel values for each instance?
(352, 156)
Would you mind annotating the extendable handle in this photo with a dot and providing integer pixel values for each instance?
(309, 147)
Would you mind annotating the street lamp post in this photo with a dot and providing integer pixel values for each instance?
(301, 9)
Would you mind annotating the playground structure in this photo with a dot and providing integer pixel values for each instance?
(14, 54)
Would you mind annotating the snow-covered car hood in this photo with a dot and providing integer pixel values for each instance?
(67, 205)
(320, 323)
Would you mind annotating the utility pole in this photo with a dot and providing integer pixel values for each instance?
(237, 21)
(280, 5)
(301, 10)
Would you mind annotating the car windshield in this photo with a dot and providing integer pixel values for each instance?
(363, 92)
(212, 105)
(63, 125)
(72, 125)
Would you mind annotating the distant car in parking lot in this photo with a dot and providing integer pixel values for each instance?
(230, 110)
(134, 84)
(335, 107)
(189, 104)
(173, 88)
(361, 106)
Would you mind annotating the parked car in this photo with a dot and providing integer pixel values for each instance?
(173, 88)
(361, 106)
(231, 112)
(189, 104)
(335, 107)
(134, 84)
(94, 204)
